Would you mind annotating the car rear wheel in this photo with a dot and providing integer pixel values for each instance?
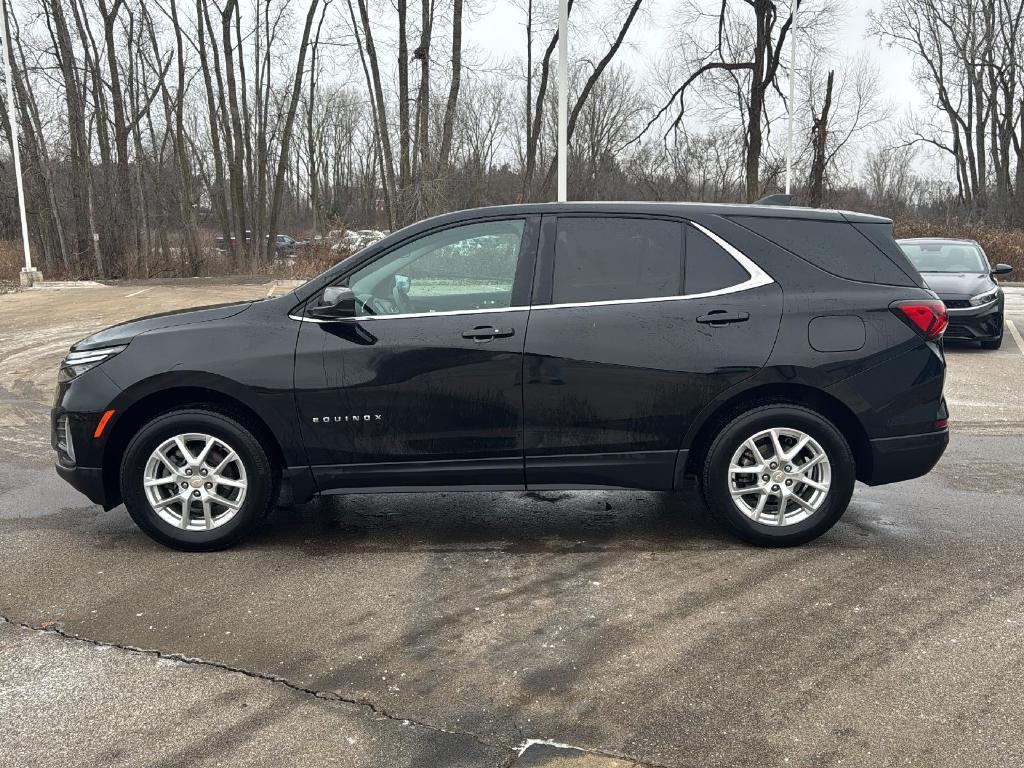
(778, 475)
(197, 479)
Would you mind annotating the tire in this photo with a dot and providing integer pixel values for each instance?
(224, 505)
(995, 343)
(836, 471)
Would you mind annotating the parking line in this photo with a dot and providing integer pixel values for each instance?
(1016, 335)
(138, 292)
(272, 289)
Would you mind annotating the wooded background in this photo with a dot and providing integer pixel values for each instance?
(151, 127)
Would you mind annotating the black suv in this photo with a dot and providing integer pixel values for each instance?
(778, 354)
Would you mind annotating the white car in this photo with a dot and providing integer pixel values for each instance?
(353, 240)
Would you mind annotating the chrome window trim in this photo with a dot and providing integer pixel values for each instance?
(408, 315)
(758, 278)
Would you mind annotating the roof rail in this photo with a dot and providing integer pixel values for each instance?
(779, 199)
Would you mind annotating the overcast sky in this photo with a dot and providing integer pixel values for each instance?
(499, 33)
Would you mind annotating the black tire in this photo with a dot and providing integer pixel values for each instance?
(715, 474)
(261, 478)
(995, 343)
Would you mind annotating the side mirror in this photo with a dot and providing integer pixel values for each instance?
(336, 303)
(1002, 269)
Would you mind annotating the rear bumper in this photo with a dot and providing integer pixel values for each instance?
(903, 458)
(87, 480)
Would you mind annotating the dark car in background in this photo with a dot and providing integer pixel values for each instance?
(776, 354)
(284, 245)
(960, 273)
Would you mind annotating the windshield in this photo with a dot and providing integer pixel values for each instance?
(945, 257)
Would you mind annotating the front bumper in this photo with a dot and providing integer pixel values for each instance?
(77, 409)
(894, 459)
(975, 323)
(87, 480)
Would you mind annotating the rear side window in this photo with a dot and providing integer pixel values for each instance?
(834, 246)
(880, 234)
(608, 258)
(603, 259)
(708, 266)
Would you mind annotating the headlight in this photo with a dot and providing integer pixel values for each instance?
(985, 298)
(77, 363)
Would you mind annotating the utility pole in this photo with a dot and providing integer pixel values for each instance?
(563, 98)
(793, 5)
(29, 275)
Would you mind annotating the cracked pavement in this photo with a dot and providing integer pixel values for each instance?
(597, 629)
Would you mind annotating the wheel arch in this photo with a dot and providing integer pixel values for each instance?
(830, 407)
(157, 401)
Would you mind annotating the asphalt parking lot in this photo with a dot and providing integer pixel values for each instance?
(583, 629)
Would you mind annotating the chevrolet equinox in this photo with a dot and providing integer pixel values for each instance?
(778, 354)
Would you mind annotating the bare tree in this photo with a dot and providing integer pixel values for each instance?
(755, 52)
(819, 147)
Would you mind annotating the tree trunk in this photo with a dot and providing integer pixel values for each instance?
(381, 117)
(819, 148)
(293, 105)
(220, 196)
(403, 100)
(236, 165)
(78, 145)
(120, 218)
(444, 154)
(188, 218)
(423, 97)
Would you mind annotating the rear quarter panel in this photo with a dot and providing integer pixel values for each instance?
(892, 383)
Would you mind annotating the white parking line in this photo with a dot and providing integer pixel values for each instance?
(271, 291)
(1016, 335)
(138, 292)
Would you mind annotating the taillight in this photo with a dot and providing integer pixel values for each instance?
(928, 317)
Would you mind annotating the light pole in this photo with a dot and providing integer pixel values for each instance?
(563, 97)
(28, 274)
(793, 5)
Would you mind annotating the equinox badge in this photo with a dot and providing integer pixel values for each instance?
(349, 419)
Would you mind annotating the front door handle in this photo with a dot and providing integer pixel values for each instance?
(487, 332)
(717, 317)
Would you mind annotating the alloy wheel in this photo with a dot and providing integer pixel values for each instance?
(195, 482)
(779, 476)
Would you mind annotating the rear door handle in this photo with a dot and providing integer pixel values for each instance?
(723, 317)
(487, 332)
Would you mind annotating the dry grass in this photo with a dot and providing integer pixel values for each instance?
(11, 262)
(1001, 245)
(305, 265)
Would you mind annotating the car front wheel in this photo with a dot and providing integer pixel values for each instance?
(197, 479)
(995, 343)
(778, 475)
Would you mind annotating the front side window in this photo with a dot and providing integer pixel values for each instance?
(608, 259)
(463, 268)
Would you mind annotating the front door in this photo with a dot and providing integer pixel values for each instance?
(637, 324)
(423, 388)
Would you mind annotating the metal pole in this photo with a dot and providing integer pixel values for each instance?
(563, 97)
(792, 95)
(15, 151)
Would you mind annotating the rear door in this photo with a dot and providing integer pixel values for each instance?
(637, 323)
(423, 388)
